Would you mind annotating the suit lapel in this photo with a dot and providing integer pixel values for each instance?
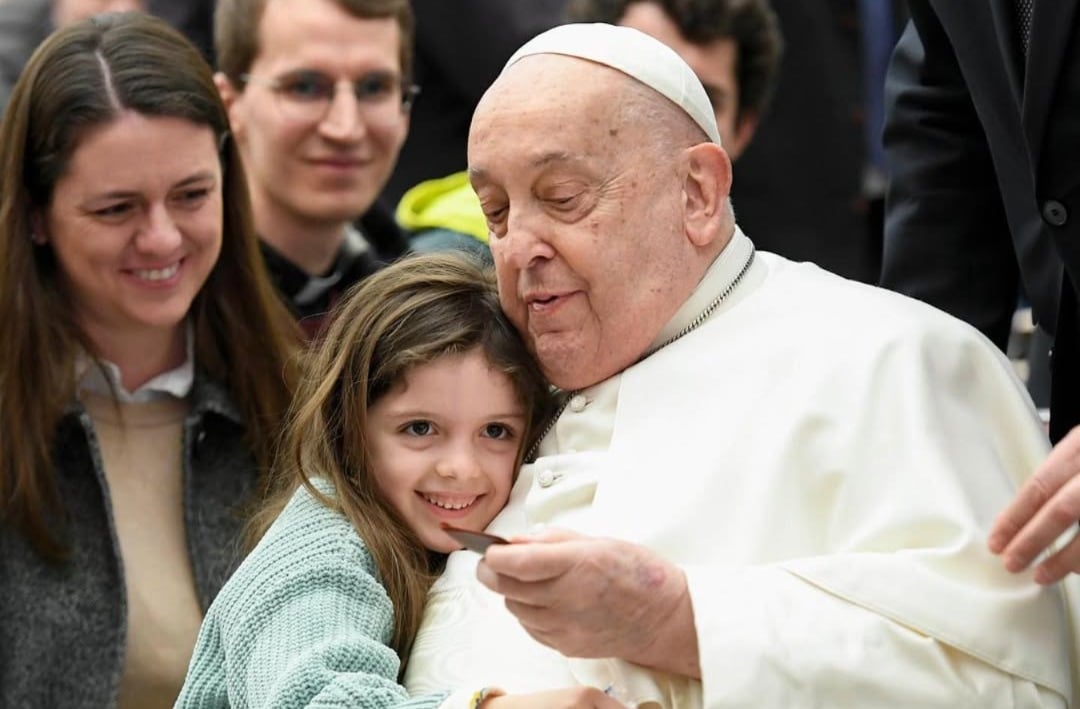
(1003, 24)
(1051, 27)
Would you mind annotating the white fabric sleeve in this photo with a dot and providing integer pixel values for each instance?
(768, 638)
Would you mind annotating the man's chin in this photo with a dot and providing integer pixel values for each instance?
(563, 369)
(563, 364)
(337, 211)
(329, 205)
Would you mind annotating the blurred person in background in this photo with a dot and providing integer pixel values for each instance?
(25, 23)
(318, 94)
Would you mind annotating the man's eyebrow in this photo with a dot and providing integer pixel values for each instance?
(550, 157)
(480, 174)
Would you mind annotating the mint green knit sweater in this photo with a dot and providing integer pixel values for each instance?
(303, 622)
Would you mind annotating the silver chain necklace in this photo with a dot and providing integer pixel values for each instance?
(694, 324)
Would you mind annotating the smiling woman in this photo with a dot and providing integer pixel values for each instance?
(135, 240)
(134, 421)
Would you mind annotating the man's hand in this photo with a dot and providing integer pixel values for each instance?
(1047, 505)
(589, 597)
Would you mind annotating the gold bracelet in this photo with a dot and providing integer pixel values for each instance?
(479, 696)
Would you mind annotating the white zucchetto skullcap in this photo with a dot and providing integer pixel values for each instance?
(635, 54)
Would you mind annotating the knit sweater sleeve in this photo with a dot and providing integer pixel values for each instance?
(303, 622)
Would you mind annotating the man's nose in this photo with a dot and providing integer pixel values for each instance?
(159, 233)
(524, 244)
(344, 120)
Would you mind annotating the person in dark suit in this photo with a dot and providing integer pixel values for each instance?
(982, 135)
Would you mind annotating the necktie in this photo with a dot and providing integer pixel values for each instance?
(1023, 22)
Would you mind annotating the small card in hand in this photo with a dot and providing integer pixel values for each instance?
(474, 541)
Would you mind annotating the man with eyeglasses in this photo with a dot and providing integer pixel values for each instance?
(318, 94)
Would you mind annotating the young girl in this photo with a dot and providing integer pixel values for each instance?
(416, 410)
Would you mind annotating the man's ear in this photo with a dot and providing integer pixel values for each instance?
(230, 97)
(706, 186)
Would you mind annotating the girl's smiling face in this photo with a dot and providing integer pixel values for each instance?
(444, 443)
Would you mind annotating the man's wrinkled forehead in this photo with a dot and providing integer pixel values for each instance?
(545, 109)
(635, 54)
(545, 82)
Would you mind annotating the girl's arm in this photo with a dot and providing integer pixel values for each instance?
(304, 621)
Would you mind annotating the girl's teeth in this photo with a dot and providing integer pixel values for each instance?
(449, 505)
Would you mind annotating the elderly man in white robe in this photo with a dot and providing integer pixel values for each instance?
(769, 486)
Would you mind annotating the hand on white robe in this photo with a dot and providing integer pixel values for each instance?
(592, 597)
(1047, 506)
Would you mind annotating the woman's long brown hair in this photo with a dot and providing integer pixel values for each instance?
(415, 311)
(80, 78)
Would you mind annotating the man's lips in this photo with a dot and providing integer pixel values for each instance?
(540, 302)
(338, 162)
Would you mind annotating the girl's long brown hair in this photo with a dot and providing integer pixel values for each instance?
(82, 77)
(415, 311)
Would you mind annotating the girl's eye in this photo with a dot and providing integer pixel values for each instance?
(498, 431)
(418, 428)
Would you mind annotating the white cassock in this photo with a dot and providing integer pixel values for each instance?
(824, 461)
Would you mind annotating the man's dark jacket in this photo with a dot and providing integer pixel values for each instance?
(984, 149)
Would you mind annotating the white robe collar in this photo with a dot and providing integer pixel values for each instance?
(719, 276)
